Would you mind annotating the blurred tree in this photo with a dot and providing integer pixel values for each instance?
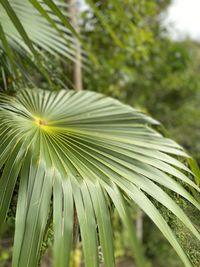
(74, 15)
(148, 69)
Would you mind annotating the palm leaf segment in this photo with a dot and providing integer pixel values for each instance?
(84, 149)
(29, 27)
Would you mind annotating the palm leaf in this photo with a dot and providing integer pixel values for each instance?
(30, 27)
(84, 149)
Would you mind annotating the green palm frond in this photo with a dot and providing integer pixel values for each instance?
(29, 27)
(84, 150)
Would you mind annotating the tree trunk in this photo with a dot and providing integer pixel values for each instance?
(77, 69)
(139, 225)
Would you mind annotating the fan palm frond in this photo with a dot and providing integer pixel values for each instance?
(84, 149)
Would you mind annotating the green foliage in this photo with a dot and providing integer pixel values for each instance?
(137, 31)
(152, 72)
(154, 240)
(30, 33)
